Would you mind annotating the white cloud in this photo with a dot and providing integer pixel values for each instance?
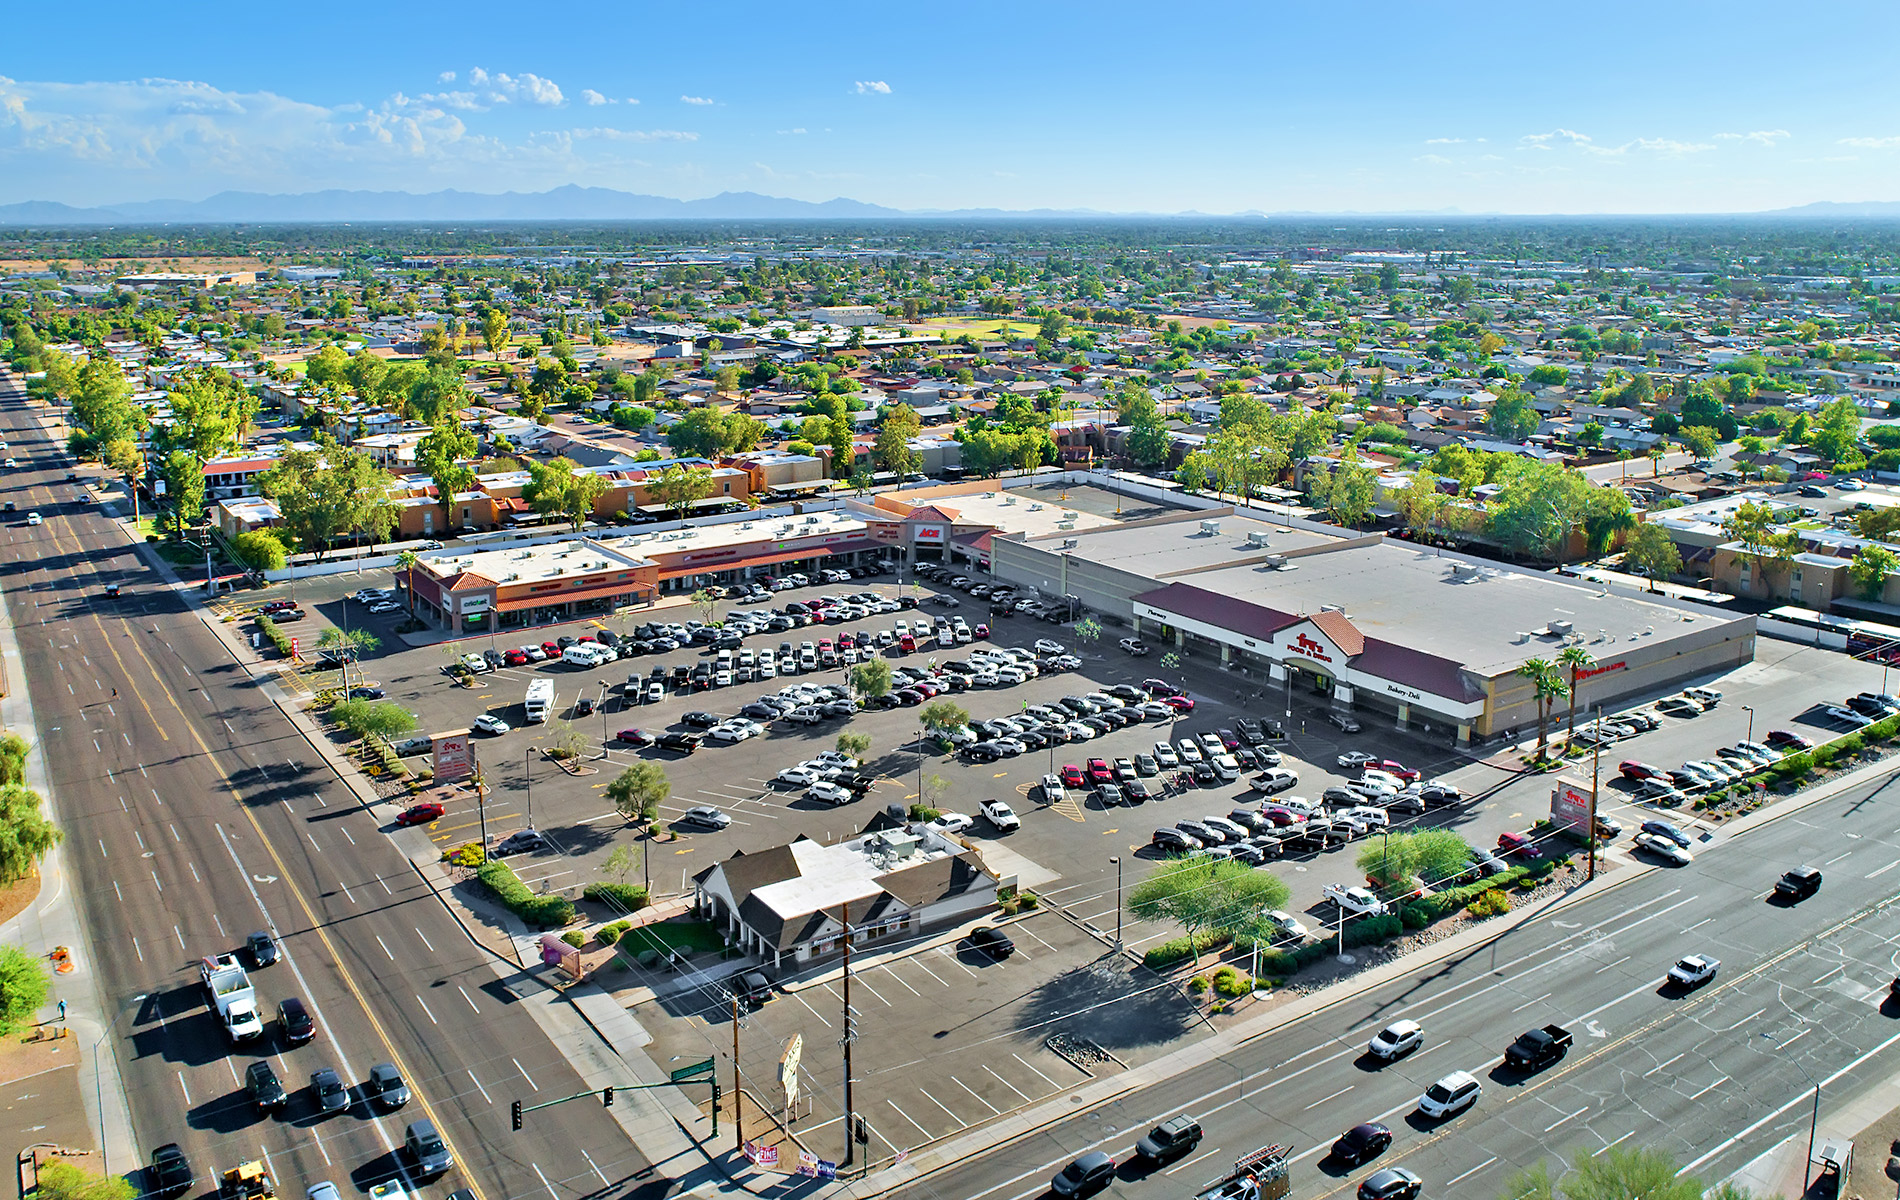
(605, 134)
(1669, 146)
(485, 91)
(791, 132)
(446, 77)
(593, 98)
(1433, 160)
(1871, 143)
(1444, 141)
(1761, 137)
(695, 100)
(878, 86)
(1543, 141)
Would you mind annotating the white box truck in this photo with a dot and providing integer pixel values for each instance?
(540, 699)
(232, 996)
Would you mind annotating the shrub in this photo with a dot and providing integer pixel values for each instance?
(923, 812)
(1217, 1008)
(1412, 916)
(574, 938)
(1166, 954)
(275, 636)
(623, 897)
(1491, 903)
(1370, 931)
(1197, 985)
(607, 935)
(471, 855)
(514, 895)
(1851, 744)
(1232, 983)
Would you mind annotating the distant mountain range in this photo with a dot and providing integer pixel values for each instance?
(575, 203)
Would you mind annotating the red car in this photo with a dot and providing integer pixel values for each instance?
(1632, 769)
(1159, 687)
(1072, 775)
(277, 605)
(1281, 816)
(516, 658)
(1519, 844)
(634, 737)
(981, 631)
(551, 649)
(907, 643)
(1178, 703)
(928, 689)
(1395, 768)
(420, 814)
(1098, 771)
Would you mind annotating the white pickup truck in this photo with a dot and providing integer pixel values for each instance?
(232, 996)
(1356, 900)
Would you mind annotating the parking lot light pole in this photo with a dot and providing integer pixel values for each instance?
(527, 771)
(1116, 859)
(1751, 721)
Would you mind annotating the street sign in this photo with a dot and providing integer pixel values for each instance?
(788, 1067)
(692, 1071)
(454, 756)
(1570, 806)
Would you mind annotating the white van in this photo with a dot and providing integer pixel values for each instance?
(581, 654)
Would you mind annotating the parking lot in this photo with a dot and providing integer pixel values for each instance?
(1064, 847)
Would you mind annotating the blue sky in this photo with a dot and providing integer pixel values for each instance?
(1354, 105)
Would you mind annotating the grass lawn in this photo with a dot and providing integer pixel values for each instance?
(691, 936)
(987, 328)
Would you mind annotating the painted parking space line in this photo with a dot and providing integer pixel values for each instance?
(961, 1123)
(950, 957)
(886, 968)
(1019, 1058)
(973, 1092)
(1006, 1083)
(900, 1112)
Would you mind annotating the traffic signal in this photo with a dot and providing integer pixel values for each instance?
(716, 1095)
(517, 1116)
(862, 1134)
(607, 1096)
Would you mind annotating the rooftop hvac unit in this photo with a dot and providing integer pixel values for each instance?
(1326, 608)
(1069, 544)
(1562, 628)
(1276, 562)
(1522, 637)
(1065, 524)
(1007, 499)
(1210, 526)
(811, 520)
(1035, 508)
(1257, 538)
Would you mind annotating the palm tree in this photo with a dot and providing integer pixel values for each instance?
(405, 563)
(1578, 660)
(1547, 684)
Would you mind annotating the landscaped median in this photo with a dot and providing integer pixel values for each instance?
(1798, 770)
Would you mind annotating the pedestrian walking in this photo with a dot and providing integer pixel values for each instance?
(62, 1010)
(115, 693)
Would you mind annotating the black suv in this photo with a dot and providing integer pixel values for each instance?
(1798, 884)
(294, 1020)
(266, 1091)
(170, 1172)
(679, 743)
(1169, 1140)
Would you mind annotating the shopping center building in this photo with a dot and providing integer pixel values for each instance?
(1426, 640)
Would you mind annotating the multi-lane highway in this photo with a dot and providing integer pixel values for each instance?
(195, 813)
(1714, 1077)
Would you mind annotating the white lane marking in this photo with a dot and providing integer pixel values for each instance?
(425, 940)
(1659, 1066)
(979, 1099)
(1019, 1058)
(1473, 1171)
(480, 1088)
(814, 1012)
(524, 1074)
(425, 1009)
(180, 936)
(1190, 1162)
(318, 1139)
(184, 1089)
(1613, 1145)
(1528, 1003)
(136, 950)
(1718, 1083)
(1006, 1083)
(1557, 1122)
(544, 1181)
(1801, 1098)
(1606, 966)
(385, 946)
(467, 997)
(1323, 1099)
(1882, 870)
(900, 1112)
(604, 1182)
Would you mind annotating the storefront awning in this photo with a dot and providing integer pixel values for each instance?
(603, 592)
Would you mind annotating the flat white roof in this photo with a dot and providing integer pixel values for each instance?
(830, 876)
(534, 564)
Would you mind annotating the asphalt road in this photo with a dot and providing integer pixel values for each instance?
(1713, 1077)
(195, 814)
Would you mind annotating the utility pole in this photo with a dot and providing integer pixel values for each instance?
(527, 771)
(738, 1099)
(850, 1035)
(481, 807)
(1596, 756)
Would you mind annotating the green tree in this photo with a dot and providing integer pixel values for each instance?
(328, 367)
(184, 493)
(679, 488)
(1346, 491)
(1206, 894)
(558, 488)
(322, 494)
(1618, 1173)
(1698, 440)
(25, 833)
(1546, 685)
(1430, 855)
(260, 550)
(383, 718)
(1651, 553)
(1761, 539)
(892, 450)
(1591, 435)
(102, 403)
(495, 333)
(872, 679)
(1836, 431)
(1870, 568)
(709, 433)
(24, 984)
(366, 374)
(122, 457)
(1419, 502)
(638, 791)
(853, 745)
(1147, 438)
(1512, 417)
(941, 716)
(63, 1180)
(443, 454)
